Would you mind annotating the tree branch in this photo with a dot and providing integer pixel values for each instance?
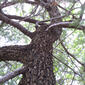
(67, 25)
(15, 53)
(67, 66)
(71, 54)
(13, 74)
(60, 24)
(17, 1)
(3, 5)
(15, 24)
(27, 19)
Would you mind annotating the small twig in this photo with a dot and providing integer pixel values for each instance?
(65, 38)
(71, 54)
(62, 8)
(72, 79)
(67, 66)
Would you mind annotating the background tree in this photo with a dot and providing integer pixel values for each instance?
(52, 32)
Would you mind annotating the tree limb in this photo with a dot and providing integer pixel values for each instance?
(15, 53)
(67, 25)
(60, 24)
(13, 74)
(27, 19)
(3, 5)
(15, 24)
(17, 1)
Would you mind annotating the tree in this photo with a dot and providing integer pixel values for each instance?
(37, 57)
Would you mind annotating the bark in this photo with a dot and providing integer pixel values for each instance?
(41, 65)
(15, 53)
(38, 55)
(40, 62)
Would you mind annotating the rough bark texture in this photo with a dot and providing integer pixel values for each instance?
(40, 62)
(15, 53)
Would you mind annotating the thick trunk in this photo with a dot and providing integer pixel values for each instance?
(40, 64)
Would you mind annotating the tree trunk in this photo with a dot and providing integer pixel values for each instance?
(40, 64)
